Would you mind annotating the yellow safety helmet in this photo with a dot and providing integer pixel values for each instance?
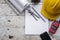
(51, 9)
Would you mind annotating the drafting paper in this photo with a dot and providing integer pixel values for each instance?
(33, 27)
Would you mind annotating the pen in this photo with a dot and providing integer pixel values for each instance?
(33, 14)
(38, 14)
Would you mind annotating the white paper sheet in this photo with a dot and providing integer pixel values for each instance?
(33, 27)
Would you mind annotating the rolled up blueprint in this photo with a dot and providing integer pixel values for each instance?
(18, 4)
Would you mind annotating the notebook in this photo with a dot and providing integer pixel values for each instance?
(33, 27)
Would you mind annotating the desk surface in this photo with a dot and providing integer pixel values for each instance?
(4, 5)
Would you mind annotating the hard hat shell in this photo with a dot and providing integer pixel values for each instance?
(51, 9)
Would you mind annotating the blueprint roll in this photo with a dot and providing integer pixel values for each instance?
(19, 5)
